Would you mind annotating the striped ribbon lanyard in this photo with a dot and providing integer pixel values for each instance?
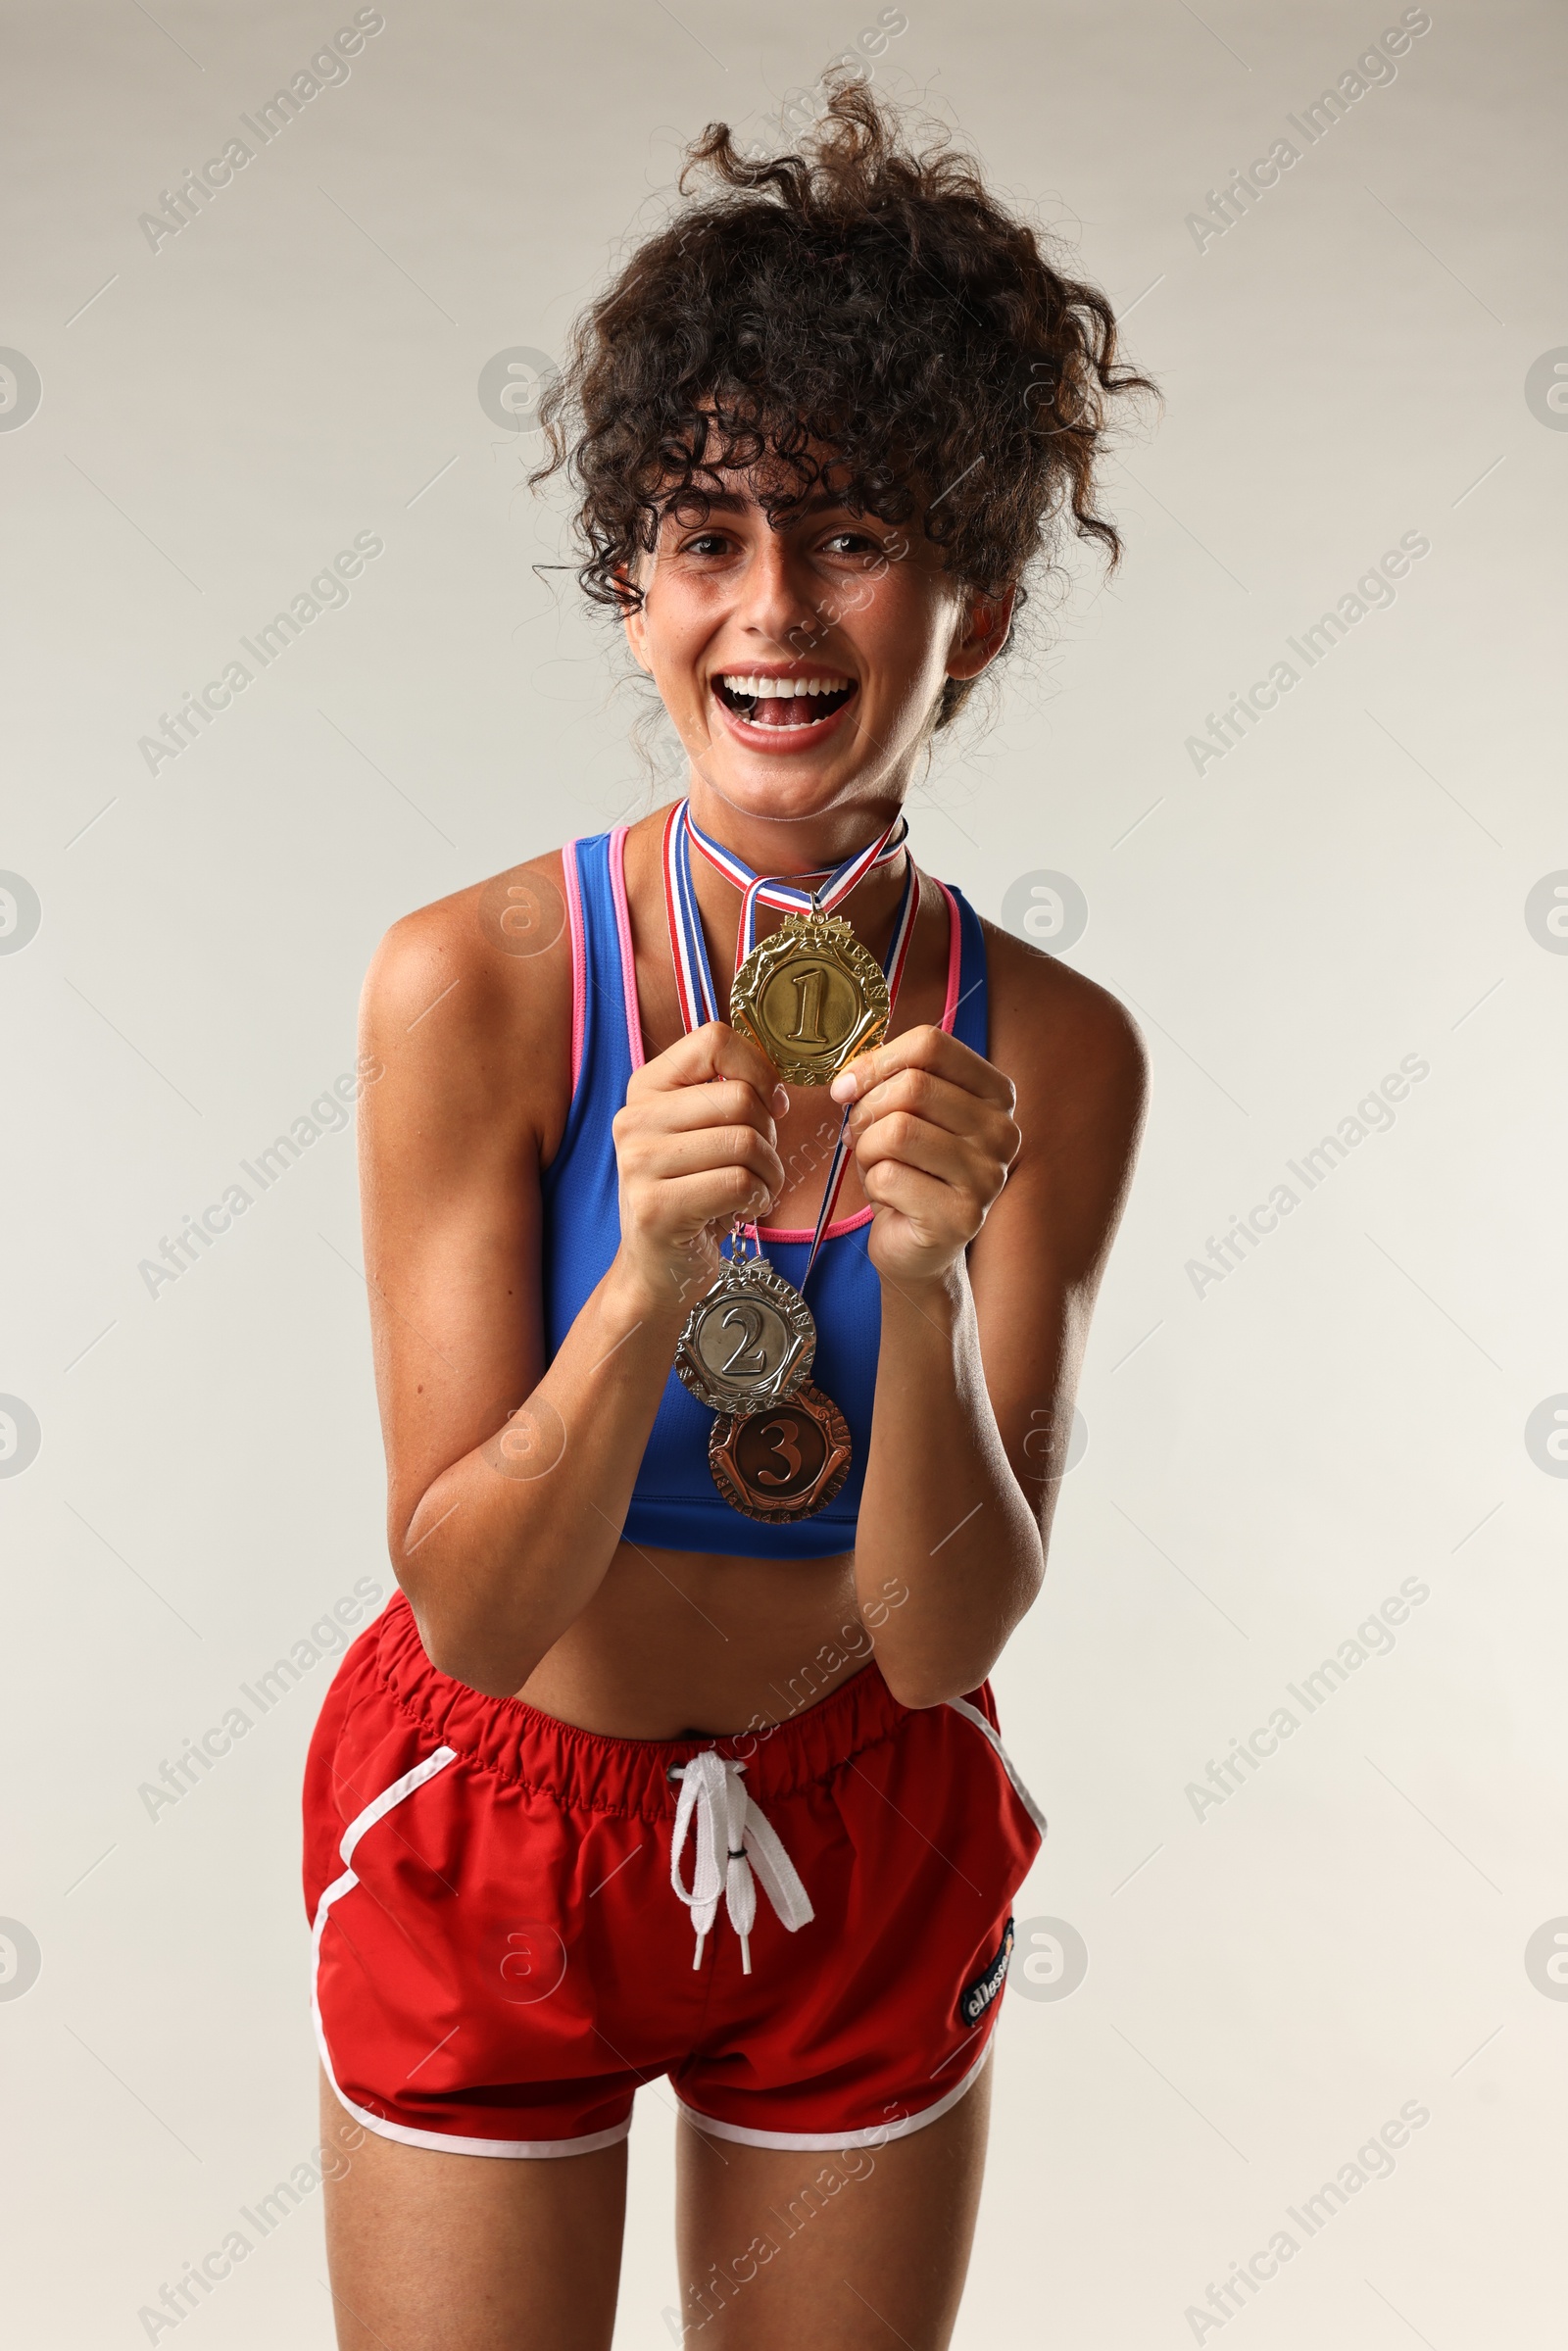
(694, 978)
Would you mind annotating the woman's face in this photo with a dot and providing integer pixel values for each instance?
(801, 665)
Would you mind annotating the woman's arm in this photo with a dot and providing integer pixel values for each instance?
(986, 1300)
(508, 1483)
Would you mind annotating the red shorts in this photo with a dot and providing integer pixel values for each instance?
(502, 1957)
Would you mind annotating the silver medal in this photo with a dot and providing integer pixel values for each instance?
(748, 1341)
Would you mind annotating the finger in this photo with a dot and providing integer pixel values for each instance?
(714, 1050)
(942, 1103)
(930, 1049)
(662, 1159)
(910, 1143)
(924, 1200)
(727, 1102)
(716, 1197)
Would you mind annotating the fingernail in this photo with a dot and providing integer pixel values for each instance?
(845, 1087)
(781, 1102)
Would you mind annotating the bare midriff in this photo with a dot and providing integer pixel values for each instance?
(677, 1641)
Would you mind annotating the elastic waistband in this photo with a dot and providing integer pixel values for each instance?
(584, 1771)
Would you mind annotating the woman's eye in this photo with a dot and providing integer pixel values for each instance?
(708, 542)
(847, 543)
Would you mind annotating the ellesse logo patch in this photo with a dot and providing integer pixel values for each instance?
(976, 1997)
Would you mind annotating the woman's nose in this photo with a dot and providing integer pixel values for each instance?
(776, 602)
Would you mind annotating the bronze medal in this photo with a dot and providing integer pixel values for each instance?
(783, 1463)
(812, 996)
(748, 1341)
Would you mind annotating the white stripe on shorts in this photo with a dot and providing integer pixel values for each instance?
(973, 1715)
(443, 2142)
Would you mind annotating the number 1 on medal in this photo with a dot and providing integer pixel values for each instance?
(808, 986)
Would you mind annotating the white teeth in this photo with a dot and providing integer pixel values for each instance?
(768, 689)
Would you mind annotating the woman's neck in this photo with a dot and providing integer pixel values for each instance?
(787, 844)
(786, 848)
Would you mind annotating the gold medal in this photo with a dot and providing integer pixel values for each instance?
(784, 1463)
(748, 1341)
(812, 996)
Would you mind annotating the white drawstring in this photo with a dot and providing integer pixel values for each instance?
(733, 1838)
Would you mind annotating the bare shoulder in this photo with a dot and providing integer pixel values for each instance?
(1076, 1059)
(1062, 1038)
(470, 999)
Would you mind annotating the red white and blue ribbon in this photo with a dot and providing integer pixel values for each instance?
(790, 894)
(694, 978)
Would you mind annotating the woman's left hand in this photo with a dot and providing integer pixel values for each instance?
(934, 1138)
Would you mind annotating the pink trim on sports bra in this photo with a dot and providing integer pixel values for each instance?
(579, 954)
(629, 959)
(950, 1010)
(852, 1224)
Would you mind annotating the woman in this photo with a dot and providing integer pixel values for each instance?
(674, 1762)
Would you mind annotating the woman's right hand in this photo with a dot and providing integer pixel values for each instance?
(696, 1148)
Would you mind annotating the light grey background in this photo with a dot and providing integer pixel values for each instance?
(1265, 1462)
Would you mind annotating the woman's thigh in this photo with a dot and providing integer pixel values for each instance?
(432, 2252)
(850, 2250)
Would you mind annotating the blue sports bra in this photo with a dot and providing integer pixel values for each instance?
(676, 1505)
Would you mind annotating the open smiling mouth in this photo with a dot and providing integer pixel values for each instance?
(783, 701)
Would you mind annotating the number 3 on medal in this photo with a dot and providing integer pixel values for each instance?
(782, 1434)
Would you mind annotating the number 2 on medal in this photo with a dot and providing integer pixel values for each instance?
(807, 987)
(783, 1434)
(741, 1363)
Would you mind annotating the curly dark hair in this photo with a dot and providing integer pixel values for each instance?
(860, 298)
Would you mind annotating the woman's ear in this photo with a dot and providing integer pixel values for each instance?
(981, 631)
(632, 618)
